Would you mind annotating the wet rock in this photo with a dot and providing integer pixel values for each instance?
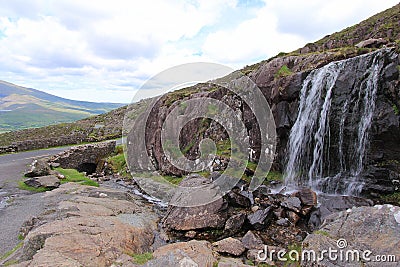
(39, 167)
(376, 229)
(260, 219)
(252, 241)
(236, 199)
(283, 222)
(293, 217)
(230, 246)
(262, 191)
(332, 204)
(48, 181)
(54, 165)
(234, 223)
(307, 197)
(292, 203)
(192, 253)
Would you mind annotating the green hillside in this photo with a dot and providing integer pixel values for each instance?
(22, 108)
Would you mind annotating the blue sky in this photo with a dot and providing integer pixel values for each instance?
(105, 50)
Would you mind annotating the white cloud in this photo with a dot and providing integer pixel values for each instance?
(99, 51)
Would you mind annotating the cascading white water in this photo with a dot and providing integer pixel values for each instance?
(313, 144)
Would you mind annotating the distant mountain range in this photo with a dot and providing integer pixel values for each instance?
(22, 108)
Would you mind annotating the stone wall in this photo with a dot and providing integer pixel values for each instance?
(33, 144)
(88, 158)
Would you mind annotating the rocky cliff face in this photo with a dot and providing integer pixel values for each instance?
(281, 81)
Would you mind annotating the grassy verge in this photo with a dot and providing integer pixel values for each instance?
(117, 162)
(71, 175)
(23, 186)
(9, 253)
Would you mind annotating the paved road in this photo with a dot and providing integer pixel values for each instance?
(17, 206)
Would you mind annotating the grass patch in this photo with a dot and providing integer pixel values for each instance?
(72, 175)
(283, 72)
(9, 253)
(141, 258)
(274, 176)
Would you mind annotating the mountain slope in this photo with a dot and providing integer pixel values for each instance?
(22, 108)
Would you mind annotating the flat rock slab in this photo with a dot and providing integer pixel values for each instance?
(48, 181)
(89, 226)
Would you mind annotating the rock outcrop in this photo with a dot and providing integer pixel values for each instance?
(88, 226)
(375, 229)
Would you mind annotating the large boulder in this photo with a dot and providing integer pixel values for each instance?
(212, 215)
(375, 229)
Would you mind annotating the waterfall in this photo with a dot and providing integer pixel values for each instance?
(329, 139)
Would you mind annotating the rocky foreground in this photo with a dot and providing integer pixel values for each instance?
(113, 225)
(92, 226)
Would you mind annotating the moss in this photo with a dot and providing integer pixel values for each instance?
(187, 148)
(392, 198)
(23, 186)
(274, 176)
(283, 72)
(173, 179)
(395, 109)
(223, 147)
(141, 258)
